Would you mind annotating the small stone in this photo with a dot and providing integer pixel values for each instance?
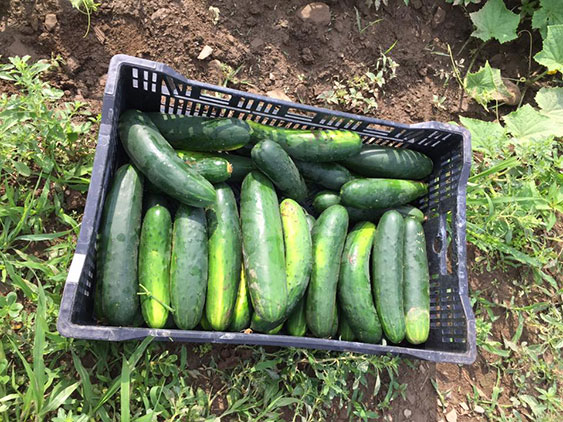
(479, 409)
(439, 17)
(50, 22)
(307, 56)
(205, 53)
(407, 413)
(256, 43)
(464, 406)
(72, 64)
(451, 416)
(317, 13)
(278, 94)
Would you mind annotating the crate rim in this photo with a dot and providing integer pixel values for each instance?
(80, 331)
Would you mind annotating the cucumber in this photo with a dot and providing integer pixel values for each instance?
(296, 325)
(116, 283)
(325, 199)
(310, 221)
(328, 175)
(310, 145)
(214, 169)
(274, 162)
(416, 283)
(275, 330)
(334, 326)
(196, 133)
(298, 251)
(156, 159)
(354, 287)
(241, 166)
(375, 214)
(188, 266)
(204, 323)
(387, 272)
(345, 331)
(225, 255)
(154, 266)
(259, 325)
(241, 313)
(264, 257)
(329, 234)
(388, 162)
(381, 193)
(410, 211)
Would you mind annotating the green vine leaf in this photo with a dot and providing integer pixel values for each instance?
(551, 56)
(550, 102)
(486, 85)
(494, 20)
(528, 124)
(484, 134)
(549, 13)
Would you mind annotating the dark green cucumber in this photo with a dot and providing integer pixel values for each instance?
(214, 169)
(375, 214)
(274, 162)
(156, 159)
(387, 271)
(154, 266)
(416, 290)
(335, 323)
(120, 227)
(225, 255)
(328, 175)
(345, 331)
(275, 330)
(388, 162)
(296, 324)
(259, 325)
(325, 199)
(381, 193)
(354, 288)
(310, 145)
(197, 133)
(298, 251)
(264, 257)
(241, 166)
(329, 234)
(310, 221)
(204, 323)
(188, 266)
(241, 313)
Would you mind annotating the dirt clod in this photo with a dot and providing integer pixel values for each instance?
(50, 22)
(317, 13)
(439, 17)
(307, 56)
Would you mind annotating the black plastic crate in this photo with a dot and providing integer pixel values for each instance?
(151, 86)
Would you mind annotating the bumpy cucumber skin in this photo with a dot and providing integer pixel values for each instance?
(116, 284)
(325, 199)
(345, 331)
(329, 234)
(381, 193)
(310, 145)
(387, 275)
(242, 311)
(393, 163)
(354, 288)
(416, 283)
(196, 133)
(225, 255)
(188, 266)
(274, 162)
(296, 324)
(214, 169)
(154, 266)
(298, 251)
(156, 159)
(328, 175)
(264, 257)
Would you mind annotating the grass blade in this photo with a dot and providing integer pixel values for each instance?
(39, 376)
(87, 390)
(125, 392)
(59, 399)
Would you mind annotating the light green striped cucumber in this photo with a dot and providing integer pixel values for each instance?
(241, 314)
(225, 255)
(381, 193)
(325, 199)
(354, 288)
(116, 283)
(188, 266)
(416, 283)
(154, 266)
(329, 234)
(387, 270)
(264, 257)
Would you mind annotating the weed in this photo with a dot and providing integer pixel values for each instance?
(87, 7)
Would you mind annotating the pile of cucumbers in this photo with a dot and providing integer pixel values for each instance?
(193, 233)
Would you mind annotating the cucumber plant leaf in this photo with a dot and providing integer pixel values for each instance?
(550, 102)
(551, 56)
(485, 85)
(484, 135)
(549, 13)
(528, 124)
(494, 20)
